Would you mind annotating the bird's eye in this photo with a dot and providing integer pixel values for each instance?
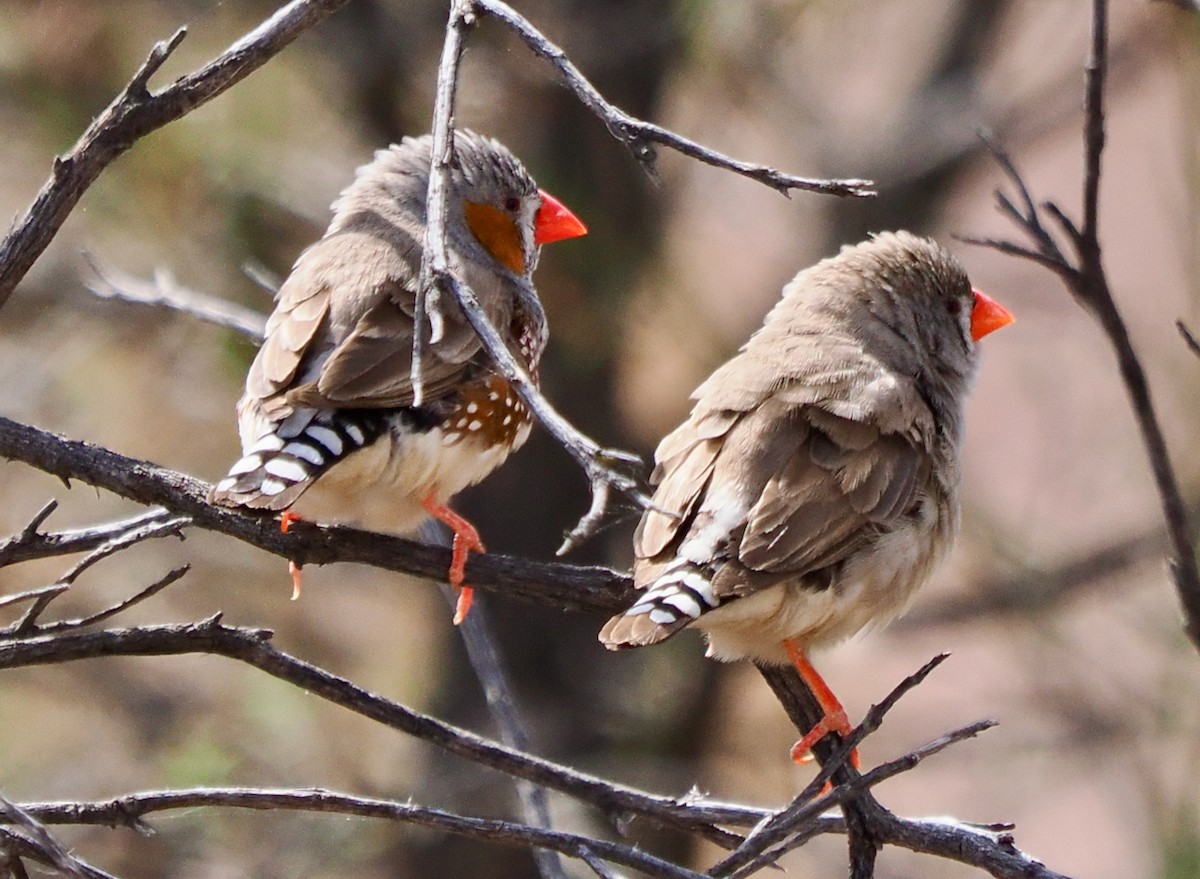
(511, 204)
(954, 306)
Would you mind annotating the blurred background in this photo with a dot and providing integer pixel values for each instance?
(1056, 605)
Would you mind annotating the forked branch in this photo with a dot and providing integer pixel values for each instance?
(1084, 275)
(136, 112)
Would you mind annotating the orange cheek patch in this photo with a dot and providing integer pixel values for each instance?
(497, 232)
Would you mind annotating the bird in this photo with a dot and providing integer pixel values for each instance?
(815, 484)
(330, 396)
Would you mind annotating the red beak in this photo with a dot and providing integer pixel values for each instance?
(987, 316)
(554, 222)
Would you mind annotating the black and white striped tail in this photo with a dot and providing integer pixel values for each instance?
(678, 596)
(281, 465)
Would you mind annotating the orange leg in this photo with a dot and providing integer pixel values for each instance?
(466, 541)
(285, 521)
(835, 719)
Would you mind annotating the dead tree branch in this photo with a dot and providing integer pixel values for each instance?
(566, 587)
(136, 112)
(130, 811)
(30, 839)
(165, 292)
(637, 134)
(253, 648)
(1084, 275)
(955, 841)
(31, 543)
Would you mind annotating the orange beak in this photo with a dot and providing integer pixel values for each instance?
(987, 316)
(554, 222)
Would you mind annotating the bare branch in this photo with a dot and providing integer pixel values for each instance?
(957, 842)
(638, 135)
(1013, 249)
(133, 807)
(598, 463)
(788, 828)
(138, 597)
(135, 535)
(598, 866)
(119, 542)
(32, 544)
(33, 594)
(45, 846)
(832, 761)
(566, 587)
(434, 256)
(253, 648)
(136, 112)
(165, 292)
(1085, 278)
(1188, 338)
(1093, 137)
(483, 652)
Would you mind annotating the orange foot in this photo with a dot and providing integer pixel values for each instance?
(285, 521)
(835, 719)
(466, 541)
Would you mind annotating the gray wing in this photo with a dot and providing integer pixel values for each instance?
(788, 476)
(342, 331)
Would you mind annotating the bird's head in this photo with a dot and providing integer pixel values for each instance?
(502, 208)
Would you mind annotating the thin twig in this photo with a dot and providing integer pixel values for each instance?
(565, 587)
(601, 465)
(598, 866)
(132, 808)
(1009, 862)
(16, 846)
(57, 854)
(165, 292)
(771, 840)
(135, 535)
(1188, 338)
(253, 648)
(434, 253)
(637, 134)
(33, 544)
(53, 590)
(138, 597)
(779, 825)
(484, 655)
(139, 533)
(1088, 283)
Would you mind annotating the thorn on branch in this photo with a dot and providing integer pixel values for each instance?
(30, 531)
(138, 88)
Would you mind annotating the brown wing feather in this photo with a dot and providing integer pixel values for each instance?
(829, 498)
(685, 462)
(372, 367)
